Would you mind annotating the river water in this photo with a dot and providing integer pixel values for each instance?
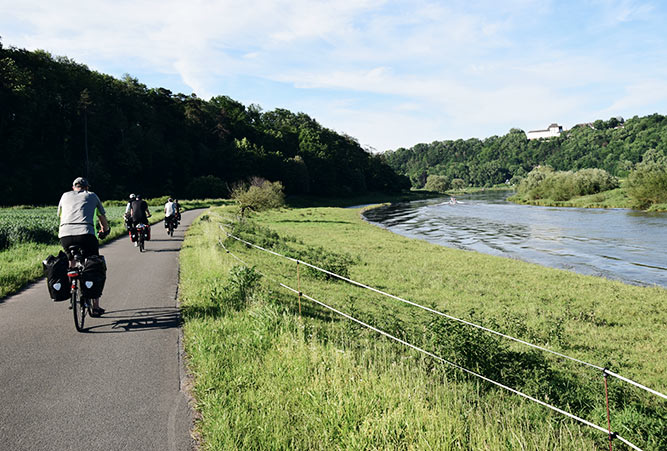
(620, 244)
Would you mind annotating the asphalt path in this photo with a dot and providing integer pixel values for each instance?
(117, 386)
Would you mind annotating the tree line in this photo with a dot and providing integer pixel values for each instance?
(59, 120)
(615, 146)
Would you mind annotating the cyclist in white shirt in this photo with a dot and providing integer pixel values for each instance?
(169, 213)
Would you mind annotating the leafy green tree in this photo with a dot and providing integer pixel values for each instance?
(258, 195)
(437, 183)
(458, 183)
(647, 183)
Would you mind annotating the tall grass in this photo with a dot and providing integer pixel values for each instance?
(265, 378)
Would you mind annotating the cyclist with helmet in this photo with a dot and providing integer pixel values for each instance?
(76, 210)
(139, 212)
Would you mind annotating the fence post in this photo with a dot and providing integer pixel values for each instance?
(606, 395)
(298, 286)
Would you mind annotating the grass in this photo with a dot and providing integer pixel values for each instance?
(266, 378)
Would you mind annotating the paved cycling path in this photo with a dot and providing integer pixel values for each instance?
(116, 387)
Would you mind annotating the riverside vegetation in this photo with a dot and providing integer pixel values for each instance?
(267, 377)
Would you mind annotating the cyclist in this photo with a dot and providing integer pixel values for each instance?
(139, 212)
(169, 213)
(76, 210)
(177, 208)
(128, 220)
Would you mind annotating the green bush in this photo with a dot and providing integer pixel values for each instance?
(258, 195)
(545, 183)
(647, 183)
(437, 183)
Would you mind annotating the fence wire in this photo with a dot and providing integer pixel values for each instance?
(453, 318)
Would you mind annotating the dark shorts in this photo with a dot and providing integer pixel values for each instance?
(88, 244)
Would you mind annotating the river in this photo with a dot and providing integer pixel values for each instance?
(621, 244)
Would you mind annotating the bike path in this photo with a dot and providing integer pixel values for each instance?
(117, 386)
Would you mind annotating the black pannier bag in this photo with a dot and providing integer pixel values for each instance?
(55, 269)
(93, 276)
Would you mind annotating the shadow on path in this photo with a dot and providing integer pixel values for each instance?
(135, 320)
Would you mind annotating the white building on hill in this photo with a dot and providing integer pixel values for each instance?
(550, 132)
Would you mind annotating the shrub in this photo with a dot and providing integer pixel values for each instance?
(437, 183)
(545, 183)
(647, 183)
(258, 195)
(458, 183)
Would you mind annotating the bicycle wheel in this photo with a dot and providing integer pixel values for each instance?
(171, 230)
(141, 241)
(78, 308)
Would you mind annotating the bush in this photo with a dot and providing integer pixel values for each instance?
(437, 183)
(545, 183)
(647, 183)
(258, 195)
(458, 183)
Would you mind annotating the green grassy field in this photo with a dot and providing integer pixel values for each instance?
(267, 377)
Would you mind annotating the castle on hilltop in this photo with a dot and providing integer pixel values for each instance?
(550, 132)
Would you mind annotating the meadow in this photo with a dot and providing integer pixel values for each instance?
(271, 370)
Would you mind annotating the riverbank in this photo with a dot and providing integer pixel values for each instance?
(616, 198)
(265, 375)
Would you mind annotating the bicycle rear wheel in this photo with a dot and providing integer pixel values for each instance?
(79, 309)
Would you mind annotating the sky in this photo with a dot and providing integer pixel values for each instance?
(389, 73)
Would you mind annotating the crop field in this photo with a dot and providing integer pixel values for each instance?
(29, 234)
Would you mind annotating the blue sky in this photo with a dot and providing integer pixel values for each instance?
(390, 73)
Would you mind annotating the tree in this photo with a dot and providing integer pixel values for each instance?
(437, 183)
(258, 195)
(647, 183)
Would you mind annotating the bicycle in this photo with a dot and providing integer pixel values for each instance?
(78, 302)
(141, 236)
(171, 225)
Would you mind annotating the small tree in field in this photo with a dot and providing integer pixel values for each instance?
(258, 194)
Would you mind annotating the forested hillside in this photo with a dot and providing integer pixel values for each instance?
(155, 142)
(610, 145)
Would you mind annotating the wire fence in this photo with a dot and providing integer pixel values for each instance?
(606, 372)
(453, 318)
